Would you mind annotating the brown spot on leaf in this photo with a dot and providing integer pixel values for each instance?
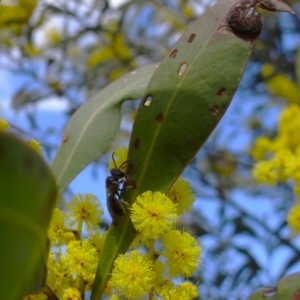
(221, 92)
(65, 138)
(214, 110)
(173, 53)
(129, 171)
(160, 117)
(136, 143)
(191, 38)
(296, 296)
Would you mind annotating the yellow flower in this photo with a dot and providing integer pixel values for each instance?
(167, 285)
(57, 277)
(97, 240)
(99, 56)
(37, 296)
(180, 292)
(31, 50)
(293, 218)
(53, 36)
(89, 282)
(187, 10)
(81, 259)
(281, 161)
(289, 127)
(262, 146)
(133, 274)
(267, 70)
(57, 231)
(109, 287)
(264, 172)
(4, 125)
(84, 209)
(35, 145)
(120, 156)
(115, 297)
(71, 294)
(281, 86)
(288, 114)
(188, 288)
(287, 138)
(153, 214)
(182, 253)
(181, 194)
(293, 168)
(159, 269)
(120, 48)
(116, 74)
(279, 143)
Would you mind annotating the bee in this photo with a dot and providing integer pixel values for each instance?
(115, 185)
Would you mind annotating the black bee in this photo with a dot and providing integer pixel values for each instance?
(114, 186)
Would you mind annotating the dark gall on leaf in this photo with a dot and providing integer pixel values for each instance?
(244, 20)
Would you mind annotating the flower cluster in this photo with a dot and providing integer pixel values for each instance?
(73, 259)
(279, 158)
(171, 255)
(156, 264)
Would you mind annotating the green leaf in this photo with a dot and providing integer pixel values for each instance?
(288, 288)
(27, 197)
(95, 124)
(190, 90)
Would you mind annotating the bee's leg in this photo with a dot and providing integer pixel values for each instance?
(118, 207)
(122, 189)
(121, 200)
(124, 203)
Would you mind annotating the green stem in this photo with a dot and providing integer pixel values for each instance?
(79, 229)
(153, 257)
(82, 288)
(152, 250)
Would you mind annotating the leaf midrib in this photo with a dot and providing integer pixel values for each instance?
(102, 107)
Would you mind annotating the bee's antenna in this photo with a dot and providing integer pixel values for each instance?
(124, 163)
(113, 158)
